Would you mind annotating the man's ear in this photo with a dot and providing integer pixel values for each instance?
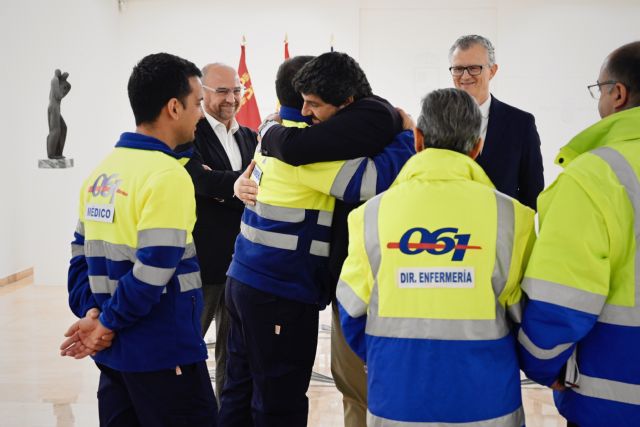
(477, 149)
(622, 97)
(493, 70)
(174, 108)
(418, 137)
(348, 101)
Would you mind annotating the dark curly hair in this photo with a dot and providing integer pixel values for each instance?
(334, 77)
(287, 95)
(155, 80)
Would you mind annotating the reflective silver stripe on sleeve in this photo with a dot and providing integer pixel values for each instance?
(102, 285)
(189, 251)
(269, 238)
(162, 237)
(77, 250)
(190, 281)
(155, 276)
(277, 213)
(608, 389)
(615, 314)
(325, 218)
(344, 176)
(111, 251)
(504, 243)
(565, 296)
(514, 419)
(80, 228)
(369, 182)
(349, 300)
(319, 248)
(538, 352)
(515, 311)
(371, 236)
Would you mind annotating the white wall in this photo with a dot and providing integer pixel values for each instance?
(548, 51)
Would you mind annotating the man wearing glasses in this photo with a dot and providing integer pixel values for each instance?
(511, 154)
(581, 327)
(222, 149)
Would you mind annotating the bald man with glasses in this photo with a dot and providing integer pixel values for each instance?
(222, 149)
(511, 155)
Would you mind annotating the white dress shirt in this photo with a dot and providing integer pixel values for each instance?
(227, 140)
(484, 110)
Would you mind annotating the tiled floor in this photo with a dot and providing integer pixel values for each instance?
(40, 388)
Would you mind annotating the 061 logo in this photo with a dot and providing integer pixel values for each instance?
(438, 242)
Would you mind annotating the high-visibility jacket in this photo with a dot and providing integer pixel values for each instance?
(583, 280)
(433, 270)
(283, 245)
(133, 257)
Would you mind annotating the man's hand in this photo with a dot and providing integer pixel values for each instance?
(86, 336)
(407, 121)
(245, 188)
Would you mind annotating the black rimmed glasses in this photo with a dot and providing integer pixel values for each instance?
(473, 70)
(225, 91)
(595, 90)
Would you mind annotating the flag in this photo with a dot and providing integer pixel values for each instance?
(286, 47)
(248, 115)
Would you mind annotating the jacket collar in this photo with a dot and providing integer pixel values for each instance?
(144, 142)
(293, 114)
(617, 127)
(434, 164)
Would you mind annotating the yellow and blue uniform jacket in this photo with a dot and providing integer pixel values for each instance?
(283, 245)
(133, 257)
(430, 292)
(583, 280)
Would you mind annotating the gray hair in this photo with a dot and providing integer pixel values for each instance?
(465, 42)
(450, 119)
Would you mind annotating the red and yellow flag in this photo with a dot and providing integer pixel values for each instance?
(248, 115)
(286, 47)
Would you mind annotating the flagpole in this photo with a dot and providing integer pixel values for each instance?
(332, 41)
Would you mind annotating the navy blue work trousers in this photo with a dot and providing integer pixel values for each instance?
(158, 398)
(271, 349)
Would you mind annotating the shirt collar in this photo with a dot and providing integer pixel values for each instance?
(484, 108)
(215, 123)
(145, 142)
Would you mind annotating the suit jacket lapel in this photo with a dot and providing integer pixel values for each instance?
(214, 146)
(495, 127)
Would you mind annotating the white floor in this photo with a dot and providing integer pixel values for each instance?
(38, 388)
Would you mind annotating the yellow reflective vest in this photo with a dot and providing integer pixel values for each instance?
(582, 323)
(433, 271)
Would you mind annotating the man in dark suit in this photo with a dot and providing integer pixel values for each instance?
(222, 149)
(511, 155)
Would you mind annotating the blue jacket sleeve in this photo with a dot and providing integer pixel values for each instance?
(353, 330)
(385, 167)
(80, 296)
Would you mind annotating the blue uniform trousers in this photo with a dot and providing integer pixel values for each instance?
(271, 349)
(158, 398)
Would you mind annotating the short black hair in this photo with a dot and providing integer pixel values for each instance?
(155, 80)
(623, 65)
(334, 77)
(287, 95)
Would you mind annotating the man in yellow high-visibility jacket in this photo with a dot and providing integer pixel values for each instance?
(581, 328)
(430, 289)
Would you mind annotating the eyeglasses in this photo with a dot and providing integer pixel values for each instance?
(225, 91)
(473, 70)
(595, 90)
